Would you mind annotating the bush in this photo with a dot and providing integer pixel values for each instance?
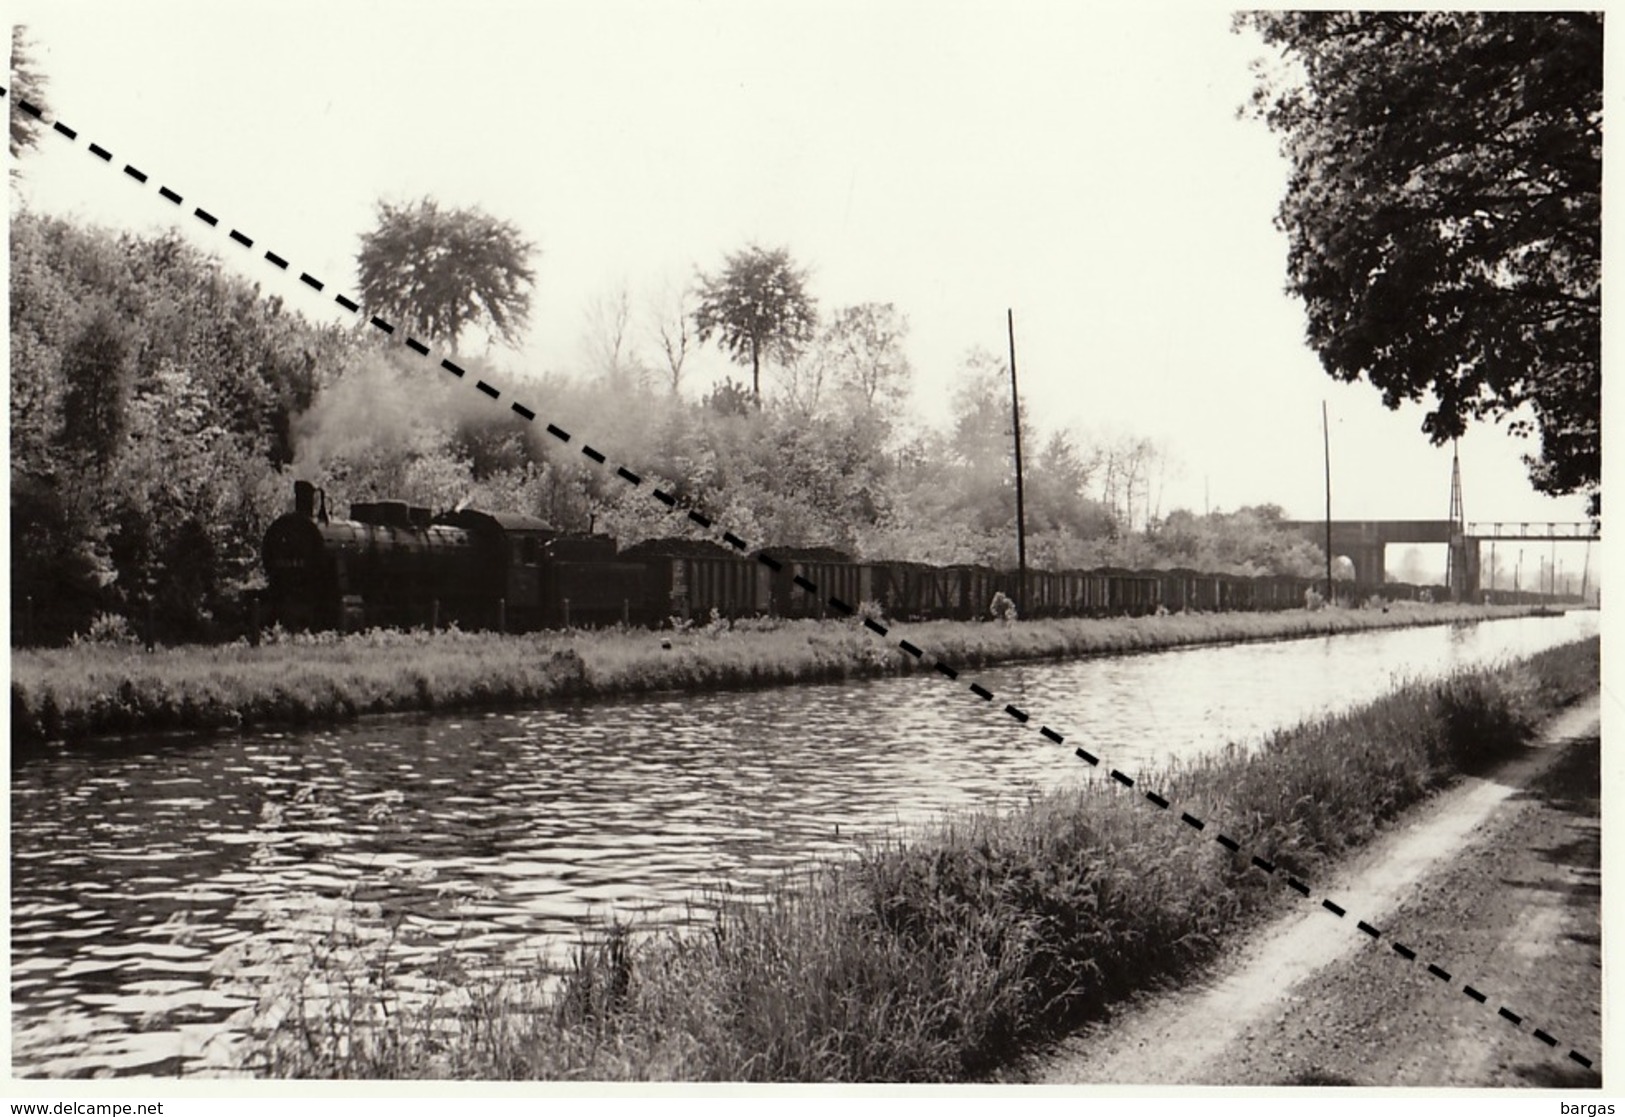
(106, 628)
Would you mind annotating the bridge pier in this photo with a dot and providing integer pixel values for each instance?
(1464, 568)
(1369, 561)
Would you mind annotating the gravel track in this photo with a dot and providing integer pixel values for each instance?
(1496, 880)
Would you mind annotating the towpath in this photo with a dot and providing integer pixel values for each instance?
(1496, 880)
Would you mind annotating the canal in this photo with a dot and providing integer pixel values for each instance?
(161, 887)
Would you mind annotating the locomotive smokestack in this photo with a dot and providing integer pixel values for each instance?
(304, 499)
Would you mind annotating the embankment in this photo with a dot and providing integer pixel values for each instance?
(945, 957)
(101, 689)
(1496, 879)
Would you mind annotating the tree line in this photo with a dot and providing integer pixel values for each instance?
(161, 408)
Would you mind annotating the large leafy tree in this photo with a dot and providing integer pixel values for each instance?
(441, 271)
(1444, 214)
(756, 306)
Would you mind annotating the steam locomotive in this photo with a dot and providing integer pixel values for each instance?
(390, 564)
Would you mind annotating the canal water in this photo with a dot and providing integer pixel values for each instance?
(161, 890)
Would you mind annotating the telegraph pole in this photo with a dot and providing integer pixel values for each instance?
(1326, 438)
(1021, 508)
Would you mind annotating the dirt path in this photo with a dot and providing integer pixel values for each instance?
(1497, 881)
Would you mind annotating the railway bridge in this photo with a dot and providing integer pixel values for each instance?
(1364, 543)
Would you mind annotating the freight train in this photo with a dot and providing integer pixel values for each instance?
(390, 564)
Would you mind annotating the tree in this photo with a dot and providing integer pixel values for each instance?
(984, 438)
(866, 342)
(1055, 489)
(756, 306)
(1125, 463)
(607, 340)
(1444, 215)
(149, 387)
(728, 398)
(441, 271)
(27, 84)
(492, 443)
(96, 370)
(805, 377)
(983, 443)
(669, 318)
(1249, 541)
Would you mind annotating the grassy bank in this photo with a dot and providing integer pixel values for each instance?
(943, 957)
(100, 689)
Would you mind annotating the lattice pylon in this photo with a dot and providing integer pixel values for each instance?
(1455, 569)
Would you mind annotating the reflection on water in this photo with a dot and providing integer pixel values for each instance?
(159, 888)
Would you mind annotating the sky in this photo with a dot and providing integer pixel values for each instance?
(1084, 167)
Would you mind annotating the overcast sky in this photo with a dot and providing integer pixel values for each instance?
(1086, 168)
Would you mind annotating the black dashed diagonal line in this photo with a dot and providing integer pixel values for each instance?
(672, 504)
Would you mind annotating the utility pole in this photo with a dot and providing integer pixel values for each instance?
(1021, 508)
(1326, 438)
(1585, 574)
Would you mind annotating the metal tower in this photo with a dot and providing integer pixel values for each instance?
(1455, 569)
